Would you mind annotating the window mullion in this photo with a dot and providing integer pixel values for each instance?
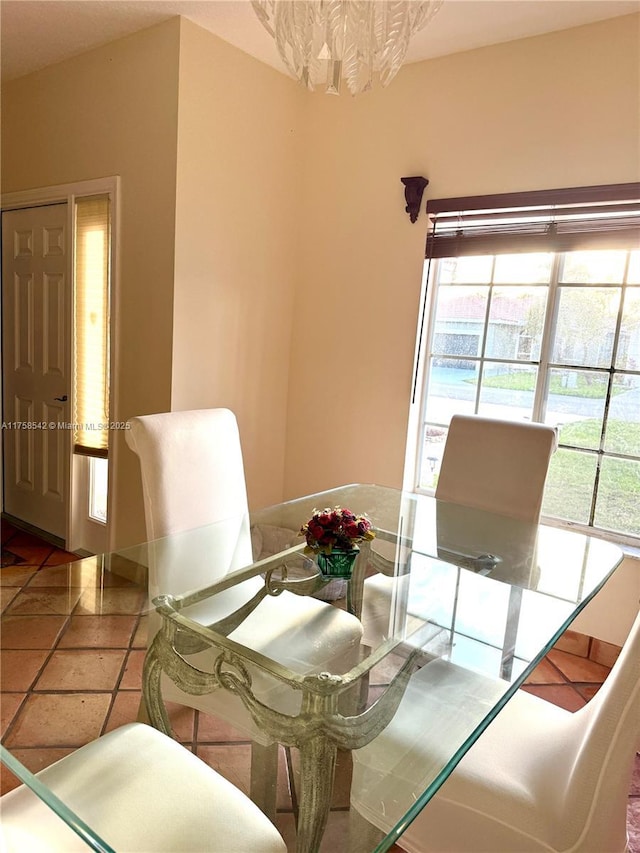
(483, 345)
(546, 343)
(432, 285)
(607, 401)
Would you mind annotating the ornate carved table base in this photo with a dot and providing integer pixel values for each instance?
(317, 731)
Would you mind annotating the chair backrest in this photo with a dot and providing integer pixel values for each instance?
(497, 465)
(192, 476)
(601, 757)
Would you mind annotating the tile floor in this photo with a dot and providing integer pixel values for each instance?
(73, 642)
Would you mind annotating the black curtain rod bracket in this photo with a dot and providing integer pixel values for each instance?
(413, 189)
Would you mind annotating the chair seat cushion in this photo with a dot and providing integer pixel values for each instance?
(139, 791)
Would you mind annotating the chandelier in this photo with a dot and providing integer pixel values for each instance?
(350, 40)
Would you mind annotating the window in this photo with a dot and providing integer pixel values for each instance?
(91, 356)
(534, 314)
(91, 346)
(98, 488)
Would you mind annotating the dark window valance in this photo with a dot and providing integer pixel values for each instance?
(562, 220)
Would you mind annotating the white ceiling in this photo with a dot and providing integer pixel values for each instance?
(36, 33)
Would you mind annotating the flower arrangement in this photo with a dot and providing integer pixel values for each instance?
(335, 529)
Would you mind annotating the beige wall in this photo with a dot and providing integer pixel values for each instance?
(113, 111)
(286, 212)
(237, 233)
(552, 111)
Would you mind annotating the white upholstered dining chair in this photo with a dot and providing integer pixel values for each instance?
(496, 465)
(192, 477)
(491, 464)
(138, 790)
(539, 780)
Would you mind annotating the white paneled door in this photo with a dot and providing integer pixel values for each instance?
(36, 315)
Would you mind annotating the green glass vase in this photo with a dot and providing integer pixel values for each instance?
(337, 564)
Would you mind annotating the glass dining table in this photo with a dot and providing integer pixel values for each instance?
(439, 585)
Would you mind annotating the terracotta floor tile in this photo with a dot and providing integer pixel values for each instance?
(562, 695)
(16, 575)
(124, 709)
(336, 832)
(286, 825)
(59, 557)
(7, 594)
(107, 632)
(34, 551)
(113, 579)
(140, 637)
(7, 530)
(604, 653)
(587, 691)
(7, 780)
(46, 601)
(182, 721)
(8, 558)
(342, 787)
(129, 570)
(574, 643)
(233, 761)
(132, 678)
(546, 673)
(20, 667)
(31, 632)
(74, 576)
(59, 719)
(9, 704)
(212, 729)
(96, 669)
(578, 669)
(113, 600)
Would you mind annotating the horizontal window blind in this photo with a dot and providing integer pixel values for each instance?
(601, 217)
(91, 393)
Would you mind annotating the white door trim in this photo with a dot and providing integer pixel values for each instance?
(79, 524)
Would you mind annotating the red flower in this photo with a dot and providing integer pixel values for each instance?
(315, 529)
(352, 530)
(335, 528)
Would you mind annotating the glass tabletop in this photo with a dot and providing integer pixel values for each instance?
(449, 604)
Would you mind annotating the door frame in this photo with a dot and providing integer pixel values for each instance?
(83, 534)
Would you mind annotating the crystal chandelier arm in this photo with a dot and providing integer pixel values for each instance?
(262, 12)
(343, 39)
(396, 41)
